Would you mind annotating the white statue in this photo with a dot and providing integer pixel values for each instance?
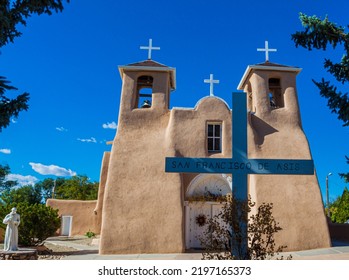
(12, 221)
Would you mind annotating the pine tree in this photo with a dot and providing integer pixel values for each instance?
(321, 34)
(13, 13)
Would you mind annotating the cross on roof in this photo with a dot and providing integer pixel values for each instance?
(149, 48)
(266, 50)
(211, 81)
(239, 165)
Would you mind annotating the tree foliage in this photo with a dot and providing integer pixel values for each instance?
(339, 209)
(10, 107)
(26, 194)
(4, 183)
(17, 12)
(77, 187)
(12, 14)
(224, 231)
(38, 222)
(319, 34)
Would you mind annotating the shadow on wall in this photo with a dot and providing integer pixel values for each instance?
(261, 129)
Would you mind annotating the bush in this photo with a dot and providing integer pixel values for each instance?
(90, 234)
(219, 237)
(38, 222)
(340, 208)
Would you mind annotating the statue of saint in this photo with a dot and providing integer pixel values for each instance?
(12, 221)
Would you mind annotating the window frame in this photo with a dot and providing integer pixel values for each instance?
(214, 137)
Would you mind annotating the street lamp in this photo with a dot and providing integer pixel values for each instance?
(327, 195)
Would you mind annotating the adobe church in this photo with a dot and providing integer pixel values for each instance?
(143, 209)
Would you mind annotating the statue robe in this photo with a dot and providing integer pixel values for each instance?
(11, 236)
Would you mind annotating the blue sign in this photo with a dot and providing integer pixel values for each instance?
(252, 166)
(240, 165)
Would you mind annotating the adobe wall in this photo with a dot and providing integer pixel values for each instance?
(102, 183)
(84, 217)
(2, 234)
(142, 208)
(278, 134)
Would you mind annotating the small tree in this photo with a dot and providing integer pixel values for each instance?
(4, 183)
(26, 194)
(339, 209)
(77, 187)
(224, 231)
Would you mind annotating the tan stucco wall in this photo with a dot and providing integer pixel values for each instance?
(277, 134)
(102, 181)
(84, 218)
(143, 207)
(2, 235)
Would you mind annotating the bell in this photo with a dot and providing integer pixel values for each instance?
(146, 104)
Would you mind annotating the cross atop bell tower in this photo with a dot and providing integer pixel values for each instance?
(150, 48)
(266, 50)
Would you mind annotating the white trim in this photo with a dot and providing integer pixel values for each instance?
(214, 137)
(196, 181)
(150, 68)
(265, 67)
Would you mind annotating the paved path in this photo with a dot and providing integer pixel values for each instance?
(340, 251)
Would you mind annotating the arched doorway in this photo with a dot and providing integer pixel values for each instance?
(200, 204)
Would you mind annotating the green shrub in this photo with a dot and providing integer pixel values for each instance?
(90, 234)
(38, 222)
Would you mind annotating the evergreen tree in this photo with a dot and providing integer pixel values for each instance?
(10, 107)
(12, 14)
(321, 34)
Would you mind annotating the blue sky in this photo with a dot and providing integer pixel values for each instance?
(68, 62)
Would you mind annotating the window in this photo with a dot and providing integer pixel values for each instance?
(276, 98)
(214, 137)
(145, 90)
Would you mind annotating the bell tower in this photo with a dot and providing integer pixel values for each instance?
(275, 131)
(136, 214)
(272, 92)
(146, 84)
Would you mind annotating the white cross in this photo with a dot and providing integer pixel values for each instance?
(149, 48)
(211, 81)
(266, 50)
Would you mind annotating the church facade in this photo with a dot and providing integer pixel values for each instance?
(143, 209)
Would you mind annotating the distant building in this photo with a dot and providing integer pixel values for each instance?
(142, 209)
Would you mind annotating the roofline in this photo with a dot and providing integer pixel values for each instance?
(264, 67)
(150, 68)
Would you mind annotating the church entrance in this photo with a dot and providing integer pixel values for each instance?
(201, 204)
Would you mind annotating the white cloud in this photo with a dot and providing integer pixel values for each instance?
(22, 180)
(61, 129)
(111, 125)
(90, 140)
(51, 169)
(5, 151)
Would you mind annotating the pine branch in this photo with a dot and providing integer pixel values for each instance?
(336, 101)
